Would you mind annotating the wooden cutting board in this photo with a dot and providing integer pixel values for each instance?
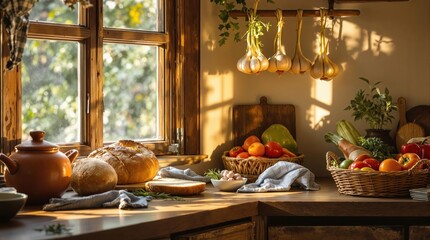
(255, 118)
(173, 186)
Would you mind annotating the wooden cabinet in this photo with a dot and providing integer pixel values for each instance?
(232, 231)
(351, 228)
(419, 232)
(336, 232)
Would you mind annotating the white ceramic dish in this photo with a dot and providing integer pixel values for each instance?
(10, 204)
(228, 186)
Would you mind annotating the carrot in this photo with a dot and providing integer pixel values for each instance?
(349, 150)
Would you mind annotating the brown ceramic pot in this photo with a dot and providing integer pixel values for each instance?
(38, 169)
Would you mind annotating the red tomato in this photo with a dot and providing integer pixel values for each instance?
(373, 163)
(361, 157)
(234, 151)
(389, 165)
(408, 160)
(243, 155)
(358, 165)
(273, 149)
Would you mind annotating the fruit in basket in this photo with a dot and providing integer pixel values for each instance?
(372, 162)
(357, 165)
(421, 148)
(408, 160)
(288, 153)
(279, 133)
(345, 163)
(234, 151)
(367, 169)
(273, 149)
(243, 155)
(390, 165)
(256, 149)
(250, 140)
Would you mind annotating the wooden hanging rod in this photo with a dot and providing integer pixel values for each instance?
(293, 13)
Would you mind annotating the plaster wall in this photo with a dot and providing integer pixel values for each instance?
(388, 42)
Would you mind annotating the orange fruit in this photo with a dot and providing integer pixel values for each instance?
(256, 149)
(250, 140)
(390, 165)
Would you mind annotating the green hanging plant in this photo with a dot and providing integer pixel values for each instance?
(229, 24)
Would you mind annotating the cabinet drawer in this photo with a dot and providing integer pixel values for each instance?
(336, 232)
(419, 232)
(237, 231)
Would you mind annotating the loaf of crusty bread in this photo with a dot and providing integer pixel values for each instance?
(132, 161)
(92, 176)
(175, 186)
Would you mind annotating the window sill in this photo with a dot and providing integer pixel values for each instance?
(175, 160)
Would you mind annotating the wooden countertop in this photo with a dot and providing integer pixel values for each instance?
(164, 217)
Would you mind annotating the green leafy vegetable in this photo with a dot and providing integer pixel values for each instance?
(156, 195)
(380, 150)
(54, 229)
(213, 174)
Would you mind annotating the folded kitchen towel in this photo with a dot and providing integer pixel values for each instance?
(187, 174)
(280, 177)
(114, 198)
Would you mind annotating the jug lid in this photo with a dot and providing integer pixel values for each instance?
(37, 143)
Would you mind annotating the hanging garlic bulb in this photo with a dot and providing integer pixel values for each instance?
(254, 60)
(299, 63)
(279, 62)
(323, 67)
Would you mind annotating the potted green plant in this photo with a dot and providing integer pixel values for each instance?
(376, 107)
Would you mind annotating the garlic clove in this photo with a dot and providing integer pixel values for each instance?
(254, 64)
(264, 62)
(317, 69)
(300, 64)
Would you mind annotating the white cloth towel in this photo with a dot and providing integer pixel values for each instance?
(114, 198)
(280, 177)
(187, 174)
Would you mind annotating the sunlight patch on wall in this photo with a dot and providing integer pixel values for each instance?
(322, 93)
(217, 97)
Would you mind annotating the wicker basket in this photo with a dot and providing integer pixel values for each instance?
(375, 183)
(252, 167)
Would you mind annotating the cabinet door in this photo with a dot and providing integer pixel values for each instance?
(336, 232)
(419, 232)
(237, 231)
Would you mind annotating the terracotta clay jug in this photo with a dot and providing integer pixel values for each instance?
(38, 169)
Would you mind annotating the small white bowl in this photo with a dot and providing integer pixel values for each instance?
(228, 186)
(10, 204)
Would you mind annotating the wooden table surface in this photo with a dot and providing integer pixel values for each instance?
(164, 217)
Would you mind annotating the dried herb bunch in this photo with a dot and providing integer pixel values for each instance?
(229, 25)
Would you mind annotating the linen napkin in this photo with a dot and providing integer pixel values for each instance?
(187, 174)
(280, 177)
(114, 198)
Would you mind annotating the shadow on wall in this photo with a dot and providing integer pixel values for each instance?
(378, 45)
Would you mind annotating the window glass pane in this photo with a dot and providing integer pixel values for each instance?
(50, 85)
(133, 14)
(54, 11)
(130, 90)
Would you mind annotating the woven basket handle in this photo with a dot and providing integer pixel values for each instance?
(331, 158)
(415, 167)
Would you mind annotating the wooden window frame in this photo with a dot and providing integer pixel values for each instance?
(183, 72)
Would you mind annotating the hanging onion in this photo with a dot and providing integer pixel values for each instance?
(299, 63)
(323, 68)
(254, 60)
(279, 62)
